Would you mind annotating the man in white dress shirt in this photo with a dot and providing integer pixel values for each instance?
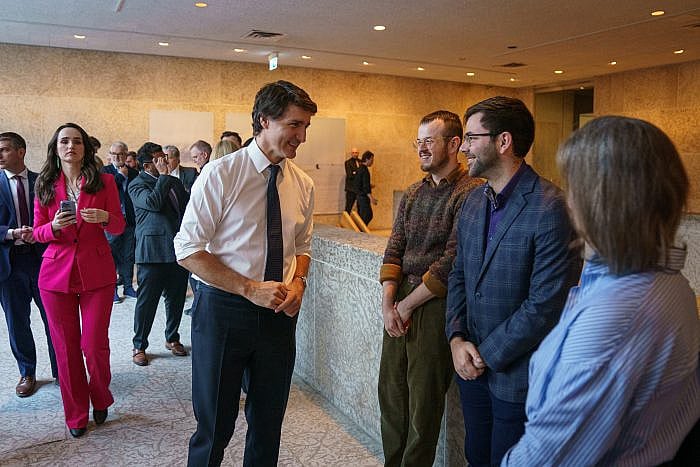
(246, 236)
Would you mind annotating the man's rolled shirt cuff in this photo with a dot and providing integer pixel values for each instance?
(390, 272)
(434, 284)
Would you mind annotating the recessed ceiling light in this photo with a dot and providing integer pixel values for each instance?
(581, 88)
(470, 73)
(201, 5)
(658, 13)
(613, 62)
(239, 51)
(79, 36)
(558, 72)
(512, 80)
(306, 57)
(379, 27)
(678, 52)
(365, 63)
(420, 68)
(164, 44)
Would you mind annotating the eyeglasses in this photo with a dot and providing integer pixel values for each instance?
(469, 137)
(429, 142)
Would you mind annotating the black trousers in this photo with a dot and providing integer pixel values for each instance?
(231, 335)
(364, 208)
(170, 280)
(350, 197)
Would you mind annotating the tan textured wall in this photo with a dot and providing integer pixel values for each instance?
(111, 95)
(668, 97)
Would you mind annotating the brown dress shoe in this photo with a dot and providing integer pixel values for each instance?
(139, 357)
(176, 348)
(26, 386)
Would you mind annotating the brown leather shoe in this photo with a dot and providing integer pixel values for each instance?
(139, 357)
(176, 348)
(26, 386)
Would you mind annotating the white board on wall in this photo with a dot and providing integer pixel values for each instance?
(322, 156)
(181, 128)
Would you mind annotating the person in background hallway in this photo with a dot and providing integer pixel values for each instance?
(363, 188)
(247, 236)
(187, 175)
(159, 203)
(97, 145)
(123, 245)
(131, 161)
(233, 137)
(20, 258)
(200, 152)
(77, 275)
(351, 167)
(222, 148)
(617, 381)
(513, 269)
(416, 367)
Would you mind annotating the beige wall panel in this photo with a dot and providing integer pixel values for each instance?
(668, 97)
(30, 70)
(689, 85)
(642, 89)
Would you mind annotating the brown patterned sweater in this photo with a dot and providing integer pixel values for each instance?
(423, 240)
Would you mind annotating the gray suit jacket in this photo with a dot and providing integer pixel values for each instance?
(157, 218)
(187, 176)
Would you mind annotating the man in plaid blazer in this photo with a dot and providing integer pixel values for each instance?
(513, 269)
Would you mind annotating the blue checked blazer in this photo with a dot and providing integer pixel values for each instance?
(505, 298)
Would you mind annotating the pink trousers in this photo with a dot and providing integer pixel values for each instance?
(66, 312)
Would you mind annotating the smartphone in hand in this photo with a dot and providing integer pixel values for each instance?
(68, 205)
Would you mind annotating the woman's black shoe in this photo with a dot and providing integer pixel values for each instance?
(99, 416)
(77, 432)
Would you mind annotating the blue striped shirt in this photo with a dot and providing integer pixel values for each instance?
(617, 381)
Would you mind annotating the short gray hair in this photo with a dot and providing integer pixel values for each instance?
(169, 147)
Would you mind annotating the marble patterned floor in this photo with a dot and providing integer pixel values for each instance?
(151, 420)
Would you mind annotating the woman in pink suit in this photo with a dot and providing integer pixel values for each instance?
(77, 275)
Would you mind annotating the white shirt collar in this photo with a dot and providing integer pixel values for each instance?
(23, 174)
(259, 159)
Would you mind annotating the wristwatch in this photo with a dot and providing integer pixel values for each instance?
(303, 280)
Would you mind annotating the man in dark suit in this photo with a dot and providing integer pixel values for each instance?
(20, 259)
(159, 203)
(511, 277)
(187, 175)
(352, 165)
(123, 245)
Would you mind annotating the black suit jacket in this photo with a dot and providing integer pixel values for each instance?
(351, 167)
(9, 220)
(157, 219)
(187, 176)
(123, 188)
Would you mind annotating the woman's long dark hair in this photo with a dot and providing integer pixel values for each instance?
(90, 170)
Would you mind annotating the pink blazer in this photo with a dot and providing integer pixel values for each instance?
(83, 244)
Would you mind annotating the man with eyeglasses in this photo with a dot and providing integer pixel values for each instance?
(511, 276)
(123, 245)
(416, 368)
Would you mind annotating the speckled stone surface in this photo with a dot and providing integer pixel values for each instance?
(339, 335)
(152, 420)
(689, 233)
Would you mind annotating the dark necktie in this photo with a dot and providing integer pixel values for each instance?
(274, 262)
(22, 198)
(174, 201)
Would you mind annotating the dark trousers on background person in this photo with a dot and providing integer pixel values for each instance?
(16, 294)
(154, 279)
(350, 197)
(364, 208)
(231, 335)
(492, 425)
(415, 372)
(123, 247)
